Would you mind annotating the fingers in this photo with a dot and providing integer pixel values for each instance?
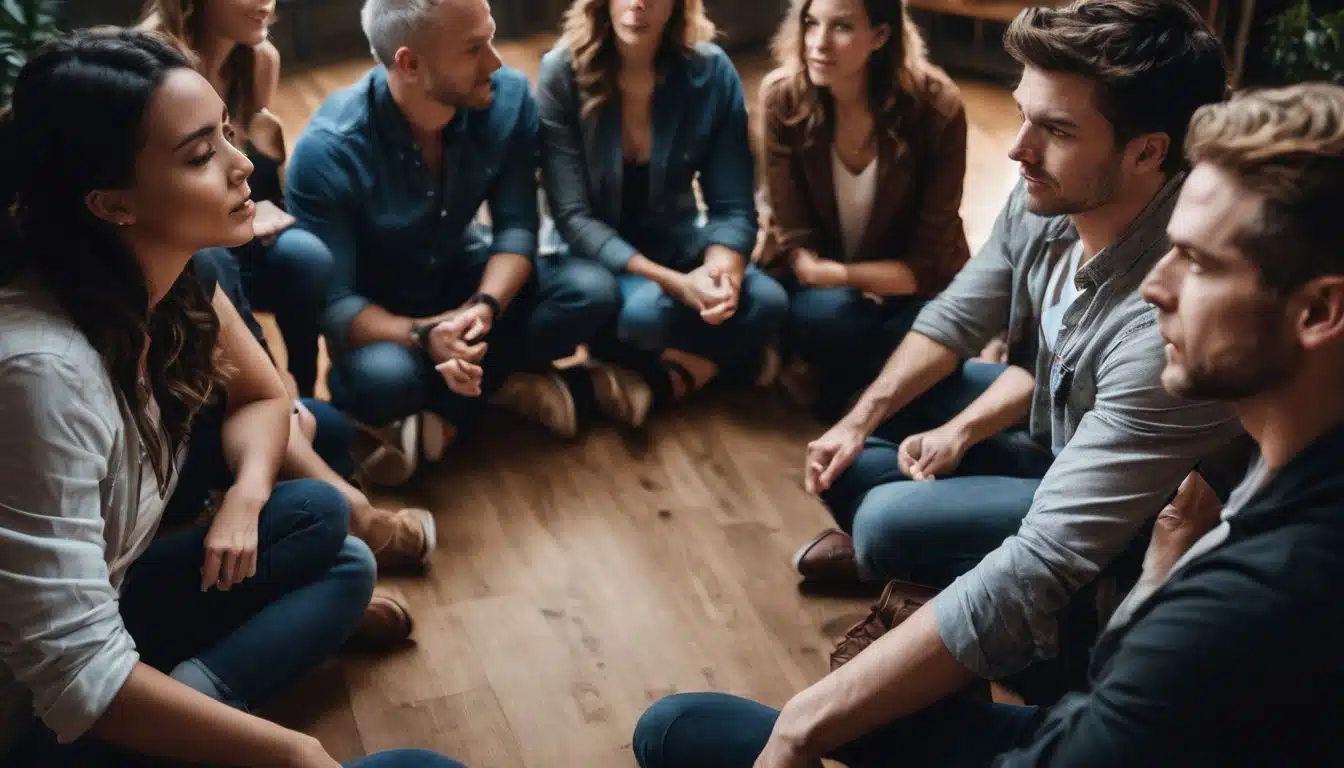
(462, 377)
(907, 456)
(816, 464)
(719, 313)
(838, 463)
(210, 571)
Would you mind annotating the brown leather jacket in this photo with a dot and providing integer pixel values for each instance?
(916, 215)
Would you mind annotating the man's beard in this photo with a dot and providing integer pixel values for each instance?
(1099, 192)
(1258, 364)
(477, 98)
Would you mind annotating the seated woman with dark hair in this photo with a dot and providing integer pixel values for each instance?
(119, 647)
(865, 146)
(287, 270)
(636, 104)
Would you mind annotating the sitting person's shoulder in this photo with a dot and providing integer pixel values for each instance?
(937, 92)
(40, 339)
(346, 111)
(710, 62)
(512, 89)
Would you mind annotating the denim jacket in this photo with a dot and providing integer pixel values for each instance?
(357, 180)
(699, 127)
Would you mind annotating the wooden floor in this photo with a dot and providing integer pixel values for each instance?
(577, 582)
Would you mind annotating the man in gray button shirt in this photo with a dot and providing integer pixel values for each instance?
(1078, 445)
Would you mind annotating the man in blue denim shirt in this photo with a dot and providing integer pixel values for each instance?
(429, 311)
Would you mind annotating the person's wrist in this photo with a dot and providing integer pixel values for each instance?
(491, 306)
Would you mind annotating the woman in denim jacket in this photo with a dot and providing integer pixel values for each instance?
(636, 105)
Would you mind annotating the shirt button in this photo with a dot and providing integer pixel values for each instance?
(443, 213)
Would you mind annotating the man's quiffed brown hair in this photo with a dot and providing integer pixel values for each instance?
(1286, 144)
(1154, 61)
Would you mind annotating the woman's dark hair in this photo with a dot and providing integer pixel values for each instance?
(75, 125)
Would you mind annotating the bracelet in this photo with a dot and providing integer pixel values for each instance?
(489, 301)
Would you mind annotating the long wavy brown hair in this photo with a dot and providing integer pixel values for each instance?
(52, 156)
(181, 20)
(592, 45)
(893, 69)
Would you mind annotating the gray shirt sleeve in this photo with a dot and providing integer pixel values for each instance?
(61, 634)
(976, 306)
(1124, 461)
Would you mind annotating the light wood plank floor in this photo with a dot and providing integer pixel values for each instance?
(576, 583)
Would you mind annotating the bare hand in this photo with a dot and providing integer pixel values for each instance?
(452, 337)
(816, 272)
(711, 291)
(270, 221)
(462, 377)
(996, 351)
(231, 542)
(780, 752)
(830, 455)
(933, 454)
(1192, 513)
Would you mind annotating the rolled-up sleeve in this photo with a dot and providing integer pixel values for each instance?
(514, 214)
(565, 171)
(728, 174)
(61, 633)
(319, 195)
(1126, 459)
(975, 307)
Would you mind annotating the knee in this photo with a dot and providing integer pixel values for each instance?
(306, 262)
(379, 383)
(358, 570)
(587, 290)
(814, 312)
(654, 726)
(875, 466)
(643, 319)
(888, 531)
(767, 305)
(323, 506)
(406, 758)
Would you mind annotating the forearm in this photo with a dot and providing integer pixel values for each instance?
(726, 259)
(255, 435)
(154, 715)
(649, 269)
(917, 364)
(374, 324)
(1004, 404)
(505, 275)
(887, 277)
(905, 671)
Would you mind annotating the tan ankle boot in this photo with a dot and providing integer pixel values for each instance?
(386, 623)
(400, 540)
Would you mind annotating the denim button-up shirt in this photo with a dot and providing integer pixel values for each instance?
(357, 180)
(699, 128)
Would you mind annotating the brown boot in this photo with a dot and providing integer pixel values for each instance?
(386, 623)
(828, 559)
(400, 540)
(898, 602)
(543, 398)
(622, 396)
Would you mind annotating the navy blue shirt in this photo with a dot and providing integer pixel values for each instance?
(357, 180)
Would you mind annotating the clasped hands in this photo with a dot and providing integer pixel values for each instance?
(457, 346)
(710, 290)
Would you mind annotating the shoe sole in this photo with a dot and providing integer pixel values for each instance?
(431, 529)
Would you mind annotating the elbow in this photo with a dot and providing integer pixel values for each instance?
(93, 681)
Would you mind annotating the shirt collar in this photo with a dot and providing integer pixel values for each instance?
(389, 117)
(1133, 244)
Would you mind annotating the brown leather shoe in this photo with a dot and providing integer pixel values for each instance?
(898, 601)
(622, 396)
(386, 623)
(828, 559)
(401, 540)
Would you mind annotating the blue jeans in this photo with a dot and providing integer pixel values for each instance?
(290, 278)
(932, 532)
(714, 730)
(246, 645)
(846, 337)
(561, 307)
(650, 321)
(333, 438)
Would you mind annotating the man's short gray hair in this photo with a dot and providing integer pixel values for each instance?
(389, 24)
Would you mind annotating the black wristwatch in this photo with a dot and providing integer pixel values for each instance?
(489, 301)
(420, 335)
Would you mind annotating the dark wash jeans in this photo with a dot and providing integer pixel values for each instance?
(932, 532)
(846, 337)
(715, 730)
(561, 306)
(248, 644)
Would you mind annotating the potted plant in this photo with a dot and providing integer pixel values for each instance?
(1303, 46)
(24, 26)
